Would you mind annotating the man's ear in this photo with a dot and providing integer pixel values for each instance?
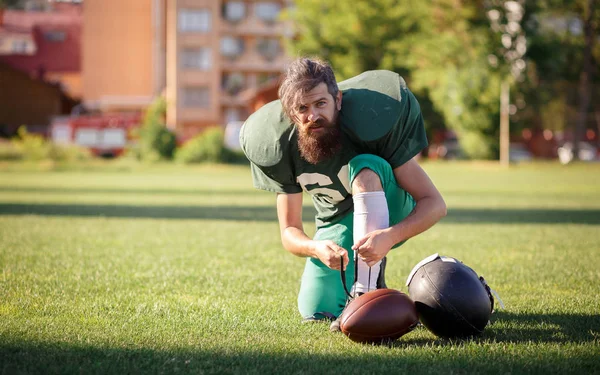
(338, 100)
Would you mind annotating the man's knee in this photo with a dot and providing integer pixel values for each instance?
(366, 181)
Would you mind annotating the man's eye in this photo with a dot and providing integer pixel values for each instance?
(322, 103)
(302, 108)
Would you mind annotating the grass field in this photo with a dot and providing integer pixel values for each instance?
(166, 269)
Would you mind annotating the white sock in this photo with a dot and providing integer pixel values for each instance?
(370, 213)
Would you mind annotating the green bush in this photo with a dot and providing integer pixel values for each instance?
(476, 145)
(69, 153)
(8, 151)
(207, 147)
(156, 142)
(34, 147)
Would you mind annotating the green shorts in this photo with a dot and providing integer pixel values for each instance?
(321, 289)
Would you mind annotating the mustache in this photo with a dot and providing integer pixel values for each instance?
(315, 124)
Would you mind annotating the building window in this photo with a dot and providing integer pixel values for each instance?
(268, 12)
(196, 97)
(232, 47)
(20, 46)
(55, 36)
(194, 20)
(269, 48)
(233, 83)
(196, 58)
(234, 11)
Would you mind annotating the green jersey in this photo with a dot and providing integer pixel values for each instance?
(379, 116)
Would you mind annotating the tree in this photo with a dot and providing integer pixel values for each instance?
(156, 142)
(505, 18)
(12, 4)
(353, 35)
(590, 28)
(439, 46)
(448, 58)
(563, 48)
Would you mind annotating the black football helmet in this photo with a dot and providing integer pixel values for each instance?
(451, 299)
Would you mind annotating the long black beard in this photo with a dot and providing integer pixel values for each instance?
(318, 147)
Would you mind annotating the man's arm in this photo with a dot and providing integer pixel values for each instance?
(429, 209)
(294, 240)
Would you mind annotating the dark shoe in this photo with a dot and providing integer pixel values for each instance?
(319, 317)
(335, 325)
(381, 278)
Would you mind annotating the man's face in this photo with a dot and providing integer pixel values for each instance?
(316, 117)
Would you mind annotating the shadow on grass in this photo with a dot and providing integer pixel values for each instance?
(123, 191)
(535, 215)
(508, 327)
(514, 343)
(241, 213)
(60, 358)
(264, 213)
(559, 328)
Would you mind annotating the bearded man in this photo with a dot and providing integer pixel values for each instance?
(352, 148)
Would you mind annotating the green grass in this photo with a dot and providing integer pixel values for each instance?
(168, 269)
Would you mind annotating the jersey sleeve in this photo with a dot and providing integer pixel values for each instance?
(407, 137)
(271, 179)
(265, 138)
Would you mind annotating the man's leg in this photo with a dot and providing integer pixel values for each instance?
(370, 213)
(321, 288)
(378, 203)
(321, 293)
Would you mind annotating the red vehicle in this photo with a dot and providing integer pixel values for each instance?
(104, 134)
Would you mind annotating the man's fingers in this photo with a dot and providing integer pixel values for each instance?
(371, 261)
(358, 244)
(334, 264)
(342, 256)
(340, 250)
(364, 253)
(338, 253)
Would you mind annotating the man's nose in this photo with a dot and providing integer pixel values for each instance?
(313, 116)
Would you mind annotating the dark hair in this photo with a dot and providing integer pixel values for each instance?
(303, 75)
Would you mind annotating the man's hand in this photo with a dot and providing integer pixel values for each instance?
(329, 253)
(289, 213)
(374, 246)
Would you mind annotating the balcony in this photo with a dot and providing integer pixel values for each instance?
(196, 77)
(252, 61)
(255, 27)
(199, 115)
(195, 39)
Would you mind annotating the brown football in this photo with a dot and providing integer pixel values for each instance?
(379, 316)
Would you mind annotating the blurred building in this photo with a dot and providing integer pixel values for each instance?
(121, 52)
(40, 70)
(45, 44)
(29, 101)
(206, 56)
